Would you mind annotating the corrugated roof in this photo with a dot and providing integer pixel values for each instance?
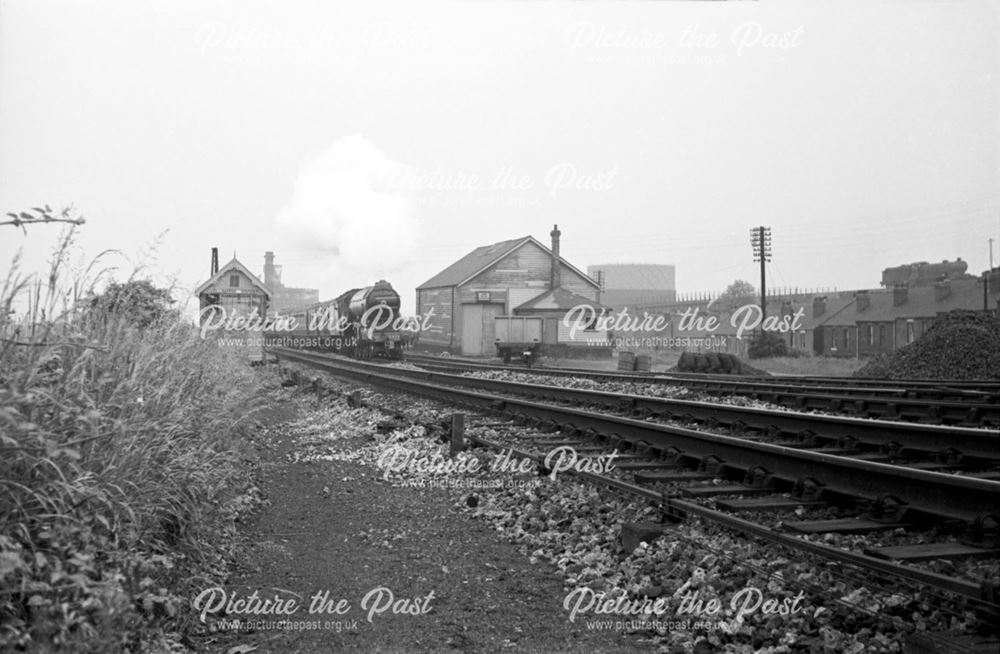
(558, 299)
(635, 276)
(473, 262)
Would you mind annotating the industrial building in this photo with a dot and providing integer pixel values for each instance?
(285, 298)
(514, 277)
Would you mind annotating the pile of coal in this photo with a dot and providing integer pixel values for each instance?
(718, 363)
(959, 344)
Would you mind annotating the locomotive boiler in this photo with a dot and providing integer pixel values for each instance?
(923, 273)
(362, 323)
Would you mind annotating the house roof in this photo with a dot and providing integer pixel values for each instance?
(233, 264)
(558, 299)
(839, 312)
(921, 302)
(482, 258)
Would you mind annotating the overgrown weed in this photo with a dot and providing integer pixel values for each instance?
(124, 466)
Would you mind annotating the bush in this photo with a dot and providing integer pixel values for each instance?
(768, 344)
(121, 469)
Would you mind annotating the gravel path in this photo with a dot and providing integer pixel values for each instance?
(336, 526)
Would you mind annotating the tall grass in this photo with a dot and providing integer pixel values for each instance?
(121, 467)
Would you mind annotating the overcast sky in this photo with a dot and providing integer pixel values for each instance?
(368, 140)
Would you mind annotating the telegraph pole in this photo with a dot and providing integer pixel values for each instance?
(986, 281)
(986, 290)
(760, 239)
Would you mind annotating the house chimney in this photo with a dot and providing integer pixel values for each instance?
(555, 279)
(269, 270)
(214, 268)
(862, 300)
(993, 277)
(819, 306)
(942, 289)
(900, 293)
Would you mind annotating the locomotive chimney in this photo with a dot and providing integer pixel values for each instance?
(269, 270)
(214, 267)
(555, 280)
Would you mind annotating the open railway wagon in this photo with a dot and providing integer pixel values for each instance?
(360, 323)
(519, 336)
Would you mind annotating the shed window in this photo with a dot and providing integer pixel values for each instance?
(234, 281)
(909, 331)
(871, 334)
(592, 323)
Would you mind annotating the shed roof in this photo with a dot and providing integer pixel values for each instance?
(233, 264)
(482, 258)
(558, 299)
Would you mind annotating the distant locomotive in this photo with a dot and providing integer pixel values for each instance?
(923, 273)
(362, 323)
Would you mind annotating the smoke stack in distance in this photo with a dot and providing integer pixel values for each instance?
(269, 276)
(214, 268)
(555, 280)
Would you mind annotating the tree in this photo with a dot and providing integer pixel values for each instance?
(766, 345)
(42, 215)
(736, 295)
(138, 301)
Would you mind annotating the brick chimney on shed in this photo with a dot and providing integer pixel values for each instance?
(900, 293)
(819, 306)
(555, 278)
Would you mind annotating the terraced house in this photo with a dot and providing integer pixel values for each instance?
(883, 320)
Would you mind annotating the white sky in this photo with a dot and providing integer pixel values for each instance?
(315, 129)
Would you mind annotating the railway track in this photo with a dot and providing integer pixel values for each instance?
(945, 447)
(924, 401)
(749, 475)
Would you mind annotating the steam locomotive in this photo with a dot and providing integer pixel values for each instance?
(923, 273)
(362, 323)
